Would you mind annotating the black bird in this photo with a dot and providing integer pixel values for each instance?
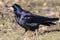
(31, 21)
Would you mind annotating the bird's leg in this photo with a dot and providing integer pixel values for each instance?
(25, 37)
(24, 32)
(36, 33)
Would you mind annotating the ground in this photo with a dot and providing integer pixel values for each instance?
(10, 30)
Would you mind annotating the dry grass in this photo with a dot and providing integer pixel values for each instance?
(10, 30)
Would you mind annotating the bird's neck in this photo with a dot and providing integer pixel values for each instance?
(18, 9)
(18, 13)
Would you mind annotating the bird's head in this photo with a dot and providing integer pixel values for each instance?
(16, 7)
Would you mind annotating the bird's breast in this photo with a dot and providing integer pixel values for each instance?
(21, 20)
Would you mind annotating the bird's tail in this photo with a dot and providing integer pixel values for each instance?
(40, 20)
(48, 23)
(52, 19)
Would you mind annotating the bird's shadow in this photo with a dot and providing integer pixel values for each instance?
(58, 30)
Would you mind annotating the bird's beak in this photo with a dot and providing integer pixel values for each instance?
(11, 8)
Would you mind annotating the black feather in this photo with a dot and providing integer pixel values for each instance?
(30, 21)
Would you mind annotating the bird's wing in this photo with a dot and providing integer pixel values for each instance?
(39, 19)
